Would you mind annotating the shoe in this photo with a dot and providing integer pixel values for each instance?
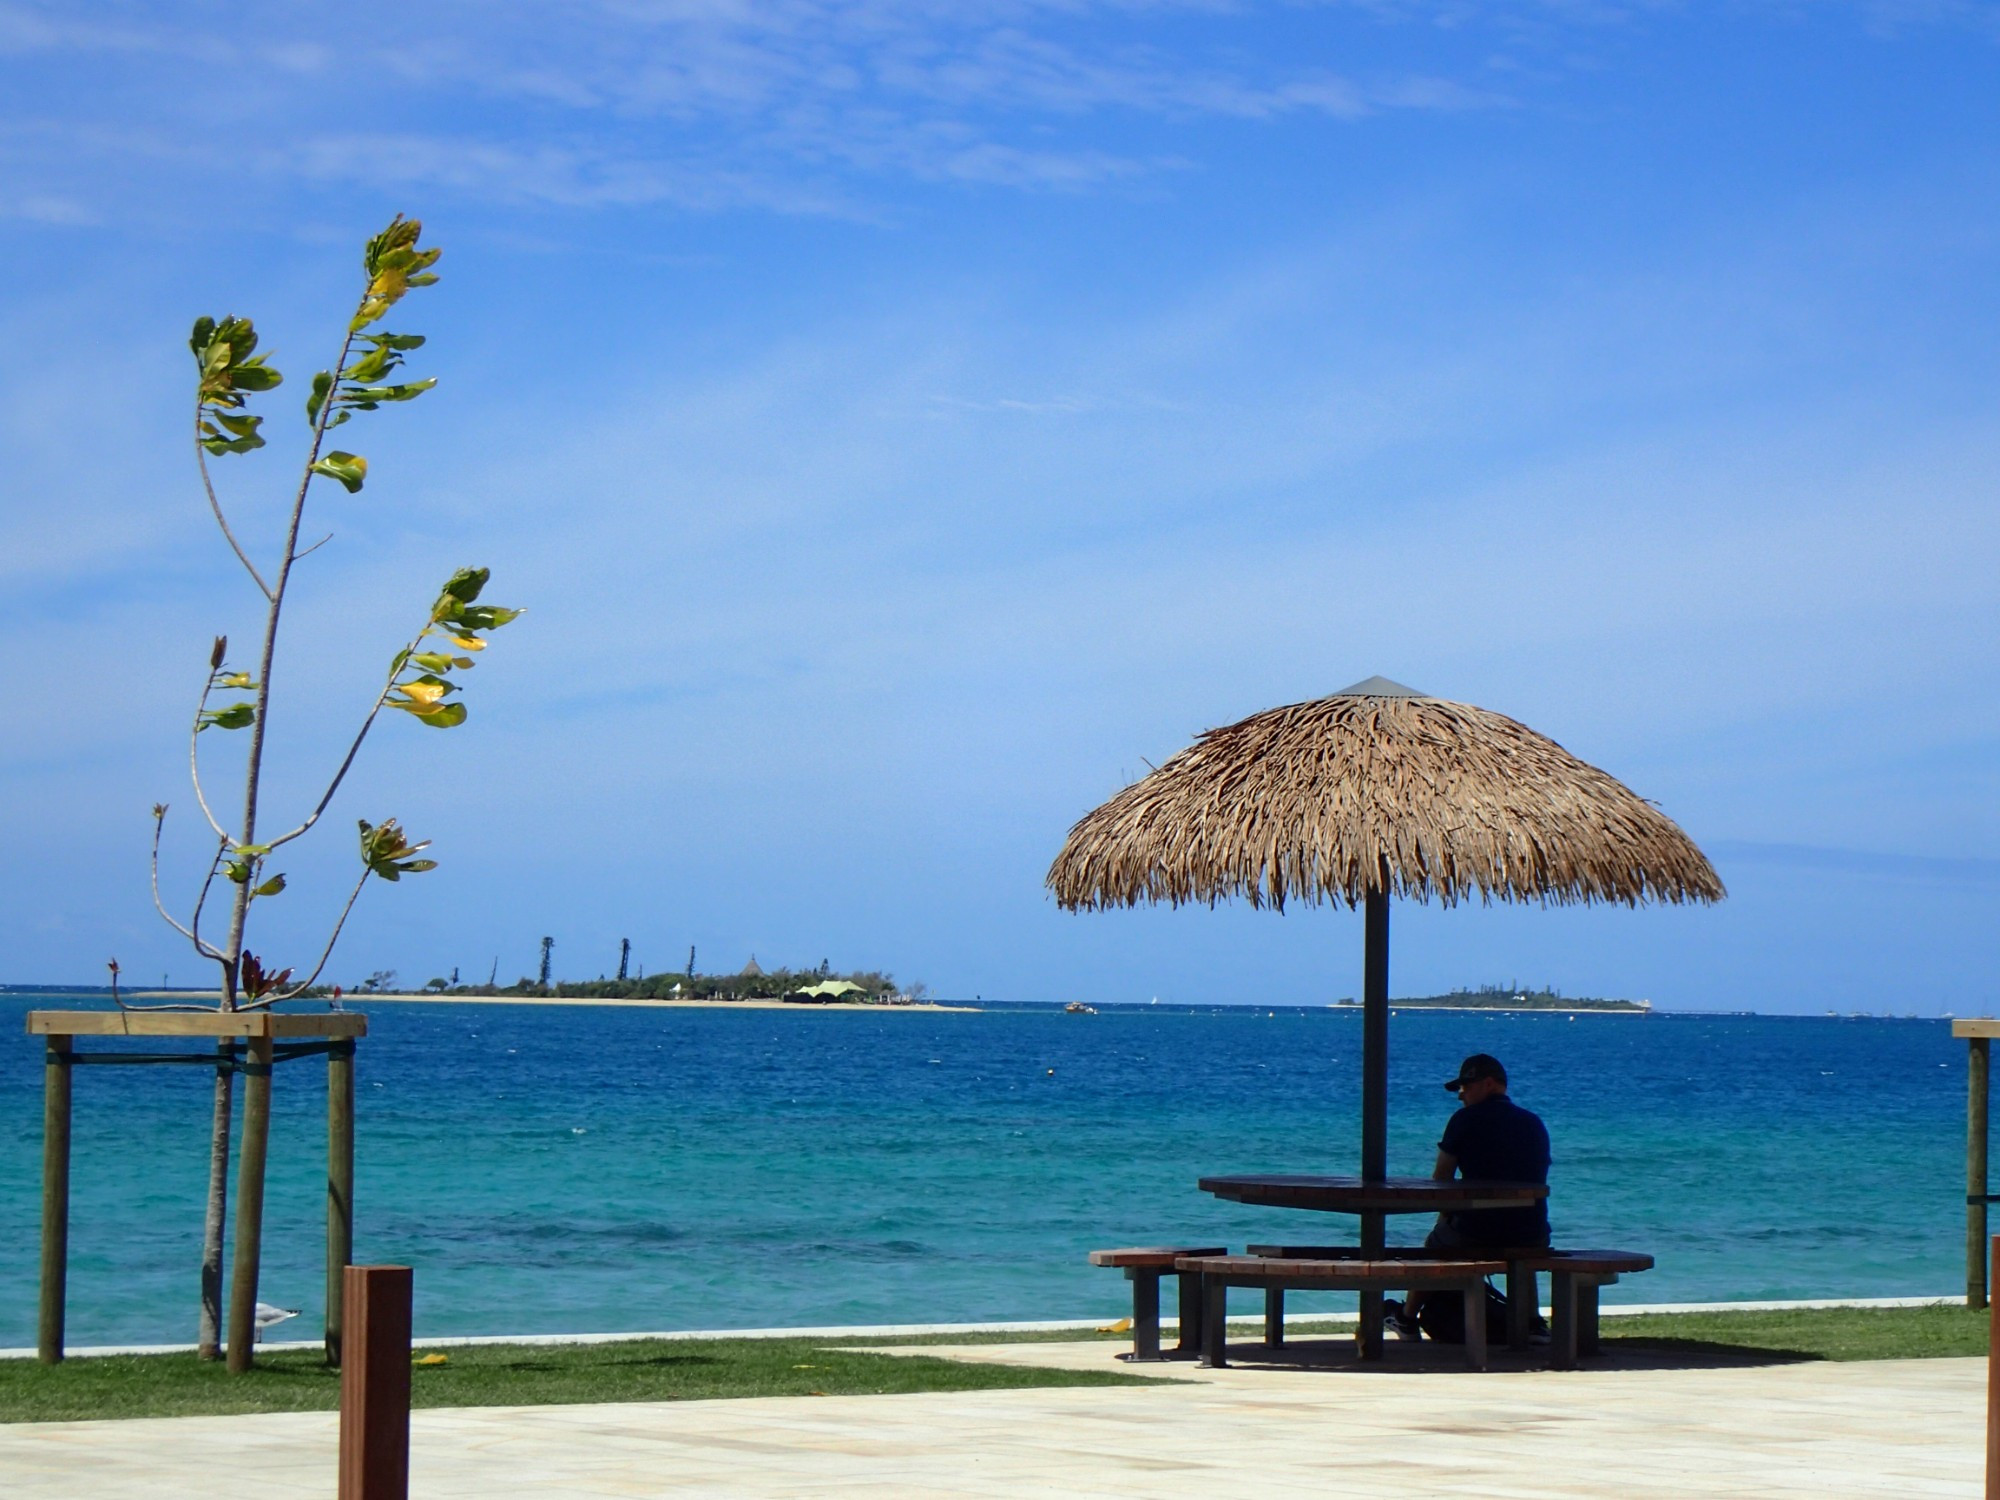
(1396, 1318)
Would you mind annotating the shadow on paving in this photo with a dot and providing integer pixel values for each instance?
(1336, 1355)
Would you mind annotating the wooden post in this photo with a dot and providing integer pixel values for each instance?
(339, 1187)
(1993, 1397)
(1375, 1039)
(375, 1385)
(250, 1203)
(55, 1199)
(1978, 1061)
(1374, 1101)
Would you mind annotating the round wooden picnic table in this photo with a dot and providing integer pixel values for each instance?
(1373, 1201)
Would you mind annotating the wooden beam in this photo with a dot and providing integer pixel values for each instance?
(57, 1077)
(339, 1189)
(250, 1204)
(1970, 1026)
(205, 1023)
(375, 1385)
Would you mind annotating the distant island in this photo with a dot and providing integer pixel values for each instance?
(1508, 997)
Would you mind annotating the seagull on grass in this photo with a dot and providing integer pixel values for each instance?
(269, 1316)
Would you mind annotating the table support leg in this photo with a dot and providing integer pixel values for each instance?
(1214, 1323)
(1145, 1312)
(1586, 1314)
(1191, 1318)
(1274, 1317)
(1562, 1333)
(1368, 1332)
(1475, 1326)
(1521, 1304)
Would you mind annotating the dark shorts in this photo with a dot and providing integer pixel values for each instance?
(1447, 1234)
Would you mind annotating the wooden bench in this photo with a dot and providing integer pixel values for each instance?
(1575, 1277)
(1271, 1273)
(1143, 1266)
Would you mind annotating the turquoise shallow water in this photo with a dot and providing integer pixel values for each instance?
(567, 1170)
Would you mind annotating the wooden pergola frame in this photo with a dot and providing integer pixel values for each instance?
(248, 1042)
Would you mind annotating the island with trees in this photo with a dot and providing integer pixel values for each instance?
(1510, 997)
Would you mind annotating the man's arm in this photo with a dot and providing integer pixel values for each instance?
(1446, 1168)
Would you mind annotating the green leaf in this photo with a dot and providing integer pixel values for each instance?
(465, 584)
(238, 871)
(438, 661)
(368, 397)
(388, 853)
(486, 616)
(322, 383)
(437, 715)
(241, 426)
(270, 887)
(373, 365)
(234, 680)
(255, 375)
(395, 340)
(349, 468)
(234, 716)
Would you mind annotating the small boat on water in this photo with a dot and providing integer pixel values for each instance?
(1078, 1008)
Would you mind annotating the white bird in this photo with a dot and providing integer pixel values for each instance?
(269, 1316)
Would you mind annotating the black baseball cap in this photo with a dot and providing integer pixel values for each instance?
(1479, 1065)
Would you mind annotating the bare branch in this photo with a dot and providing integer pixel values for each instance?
(194, 758)
(354, 749)
(308, 552)
(159, 821)
(119, 1000)
(214, 864)
(208, 484)
(307, 983)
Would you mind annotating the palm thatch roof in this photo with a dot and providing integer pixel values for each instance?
(1377, 789)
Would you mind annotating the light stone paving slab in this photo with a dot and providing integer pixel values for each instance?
(1900, 1429)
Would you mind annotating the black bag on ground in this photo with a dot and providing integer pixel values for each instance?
(1441, 1315)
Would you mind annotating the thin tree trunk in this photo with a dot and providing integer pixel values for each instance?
(217, 1214)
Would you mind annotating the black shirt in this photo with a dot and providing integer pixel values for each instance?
(1498, 1140)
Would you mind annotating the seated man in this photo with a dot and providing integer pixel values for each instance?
(1491, 1138)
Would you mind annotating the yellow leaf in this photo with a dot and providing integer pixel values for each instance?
(433, 1359)
(467, 642)
(421, 692)
(1123, 1325)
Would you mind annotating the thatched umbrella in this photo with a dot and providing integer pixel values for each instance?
(1377, 791)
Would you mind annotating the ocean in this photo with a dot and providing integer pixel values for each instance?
(556, 1169)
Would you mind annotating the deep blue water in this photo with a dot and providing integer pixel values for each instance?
(556, 1169)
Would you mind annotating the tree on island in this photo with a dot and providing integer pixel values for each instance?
(419, 680)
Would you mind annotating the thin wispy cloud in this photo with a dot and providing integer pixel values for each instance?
(693, 106)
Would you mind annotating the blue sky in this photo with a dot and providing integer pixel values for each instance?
(906, 421)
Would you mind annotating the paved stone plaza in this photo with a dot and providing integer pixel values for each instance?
(1898, 1429)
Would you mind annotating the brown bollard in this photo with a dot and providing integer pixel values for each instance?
(375, 1384)
(1993, 1393)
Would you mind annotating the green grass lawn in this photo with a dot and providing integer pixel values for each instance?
(168, 1385)
(175, 1385)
